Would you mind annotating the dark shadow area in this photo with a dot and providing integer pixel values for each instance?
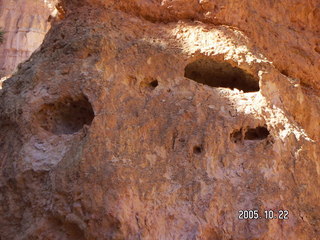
(149, 84)
(197, 149)
(257, 133)
(236, 136)
(154, 84)
(221, 74)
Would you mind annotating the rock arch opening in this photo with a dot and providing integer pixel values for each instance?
(67, 116)
(221, 74)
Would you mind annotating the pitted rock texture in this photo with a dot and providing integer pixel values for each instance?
(163, 119)
(25, 23)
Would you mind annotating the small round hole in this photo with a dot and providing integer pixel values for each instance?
(197, 149)
(154, 84)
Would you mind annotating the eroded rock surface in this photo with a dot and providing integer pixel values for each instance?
(163, 119)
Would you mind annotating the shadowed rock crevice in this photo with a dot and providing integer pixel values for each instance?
(258, 133)
(66, 116)
(149, 84)
(220, 74)
(197, 149)
(236, 136)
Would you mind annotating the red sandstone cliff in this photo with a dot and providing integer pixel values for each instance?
(25, 23)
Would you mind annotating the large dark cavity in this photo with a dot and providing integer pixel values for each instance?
(66, 116)
(221, 74)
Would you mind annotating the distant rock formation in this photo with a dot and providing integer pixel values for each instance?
(165, 119)
(25, 23)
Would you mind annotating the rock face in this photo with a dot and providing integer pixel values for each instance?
(164, 119)
(25, 23)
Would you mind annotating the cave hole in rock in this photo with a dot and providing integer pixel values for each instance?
(150, 84)
(221, 74)
(258, 133)
(66, 116)
(197, 149)
(154, 84)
